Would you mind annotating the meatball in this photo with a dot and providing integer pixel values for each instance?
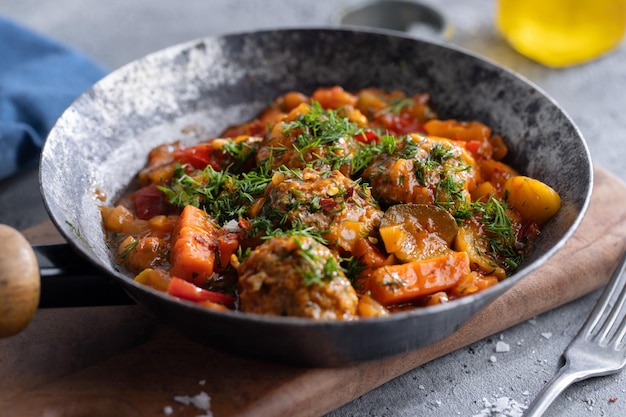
(423, 170)
(295, 276)
(310, 137)
(328, 201)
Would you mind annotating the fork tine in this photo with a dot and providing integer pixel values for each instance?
(619, 340)
(615, 335)
(605, 314)
(614, 322)
(621, 331)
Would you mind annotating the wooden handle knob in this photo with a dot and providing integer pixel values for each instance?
(19, 282)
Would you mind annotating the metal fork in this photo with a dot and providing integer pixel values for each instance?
(599, 347)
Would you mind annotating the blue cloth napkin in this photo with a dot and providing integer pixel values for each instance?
(39, 79)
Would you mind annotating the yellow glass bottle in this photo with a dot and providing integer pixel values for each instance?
(559, 33)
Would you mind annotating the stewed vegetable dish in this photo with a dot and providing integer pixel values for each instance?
(333, 206)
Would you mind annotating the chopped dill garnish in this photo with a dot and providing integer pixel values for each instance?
(367, 152)
(449, 193)
(411, 148)
(76, 230)
(352, 268)
(396, 106)
(128, 249)
(322, 129)
(222, 195)
(297, 230)
(500, 233)
(313, 273)
(240, 151)
(437, 159)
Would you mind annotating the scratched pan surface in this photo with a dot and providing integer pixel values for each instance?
(195, 90)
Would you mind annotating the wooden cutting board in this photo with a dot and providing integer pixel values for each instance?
(117, 361)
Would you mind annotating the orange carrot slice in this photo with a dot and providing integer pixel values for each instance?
(194, 246)
(395, 284)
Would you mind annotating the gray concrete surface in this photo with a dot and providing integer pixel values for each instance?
(115, 32)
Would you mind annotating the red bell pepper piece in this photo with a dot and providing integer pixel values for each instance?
(186, 290)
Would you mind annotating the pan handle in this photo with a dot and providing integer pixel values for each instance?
(70, 280)
(47, 276)
(19, 282)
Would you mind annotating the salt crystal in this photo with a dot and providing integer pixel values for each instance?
(183, 399)
(232, 226)
(421, 387)
(168, 410)
(502, 347)
(492, 359)
(201, 401)
(503, 406)
(546, 335)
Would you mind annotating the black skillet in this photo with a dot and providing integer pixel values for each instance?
(195, 90)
